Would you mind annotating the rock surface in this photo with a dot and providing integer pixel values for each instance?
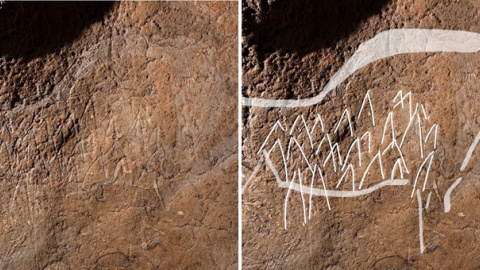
(379, 230)
(118, 145)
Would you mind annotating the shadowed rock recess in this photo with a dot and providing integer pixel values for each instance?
(117, 140)
(390, 156)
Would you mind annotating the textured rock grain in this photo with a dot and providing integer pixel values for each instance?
(118, 145)
(379, 230)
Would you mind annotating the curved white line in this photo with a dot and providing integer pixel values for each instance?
(378, 156)
(390, 116)
(470, 152)
(324, 187)
(357, 140)
(270, 133)
(446, 200)
(409, 124)
(350, 166)
(428, 200)
(434, 126)
(319, 118)
(319, 145)
(308, 132)
(331, 193)
(369, 139)
(424, 112)
(397, 162)
(349, 122)
(371, 107)
(383, 45)
(345, 193)
(420, 171)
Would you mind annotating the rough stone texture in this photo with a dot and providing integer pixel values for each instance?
(118, 142)
(379, 230)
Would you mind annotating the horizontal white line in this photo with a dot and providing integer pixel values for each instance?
(344, 193)
(331, 193)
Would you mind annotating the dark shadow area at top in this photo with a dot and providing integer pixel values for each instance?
(33, 29)
(305, 26)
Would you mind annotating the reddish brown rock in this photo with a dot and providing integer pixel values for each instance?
(379, 230)
(118, 137)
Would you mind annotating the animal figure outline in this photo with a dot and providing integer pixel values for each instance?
(381, 46)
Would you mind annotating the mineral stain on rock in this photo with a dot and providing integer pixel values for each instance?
(116, 117)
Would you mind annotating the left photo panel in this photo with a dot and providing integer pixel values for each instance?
(118, 135)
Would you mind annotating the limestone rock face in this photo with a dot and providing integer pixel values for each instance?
(359, 224)
(118, 138)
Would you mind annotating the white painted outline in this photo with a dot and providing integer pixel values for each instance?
(400, 95)
(357, 141)
(319, 146)
(350, 166)
(293, 126)
(308, 132)
(371, 107)
(303, 154)
(379, 158)
(311, 188)
(286, 199)
(402, 98)
(446, 200)
(428, 200)
(332, 193)
(369, 140)
(318, 118)
(420, 221)
(324, 188)
(430, 156)
(383, 45)
(420, 135)
(394, 143)
(397, 162)
(389, 116)
(303, 198)
(408, 126)
(349, 122)
(269, 134)
(470, 152)
(289, 147)
(428, 171)
(331, 154)
(424, 112)
(435, 135)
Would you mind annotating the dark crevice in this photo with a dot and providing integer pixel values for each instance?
(304, 26)
(33, 29)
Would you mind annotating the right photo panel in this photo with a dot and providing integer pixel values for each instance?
(360, 130)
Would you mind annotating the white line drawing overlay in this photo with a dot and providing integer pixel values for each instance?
(383, 45)
(338, 145)
(420, 221)
(446, 201)
(348, 159)
(470, 152)
(353, 156)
